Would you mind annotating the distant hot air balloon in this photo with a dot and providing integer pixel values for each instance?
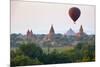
(74, 13)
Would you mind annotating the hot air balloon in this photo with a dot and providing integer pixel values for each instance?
(74, 13)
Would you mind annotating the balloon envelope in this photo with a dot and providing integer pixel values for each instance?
(74, 13)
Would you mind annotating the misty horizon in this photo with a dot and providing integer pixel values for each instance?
(48, 32)
(40, 16)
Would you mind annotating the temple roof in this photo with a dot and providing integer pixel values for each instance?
(52, 30)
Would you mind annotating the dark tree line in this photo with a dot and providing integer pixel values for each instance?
(31, 54)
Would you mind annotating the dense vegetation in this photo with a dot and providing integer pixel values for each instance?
(31, 54)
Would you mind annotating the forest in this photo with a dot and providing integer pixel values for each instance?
(32, 54)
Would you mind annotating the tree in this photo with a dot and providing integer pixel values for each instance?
(88, 53)
(21, 60)
(36, 61)
(55, 57)
(85, 51)
(31, 50)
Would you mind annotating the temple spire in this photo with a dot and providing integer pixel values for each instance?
(52, 30)
(51, 33)
(81, 29)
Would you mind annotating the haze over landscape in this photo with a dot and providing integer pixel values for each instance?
(40, 16)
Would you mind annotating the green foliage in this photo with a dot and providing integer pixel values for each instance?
(31, 50)
(26, 54)
(31, 54)
(36, 61)
(55, 57)
(87, 51)
(21, 60)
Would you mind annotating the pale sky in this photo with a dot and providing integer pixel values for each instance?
(39, 16)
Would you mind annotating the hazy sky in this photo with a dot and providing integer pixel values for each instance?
(39, 17)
